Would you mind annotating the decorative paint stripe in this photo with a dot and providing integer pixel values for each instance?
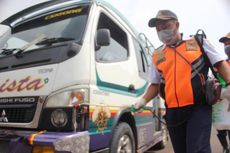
(115, 88)
(109, 105)
(96, 132)
(143, 114)
(145, 124)
(32, 137)
(139, 122)
(114, 112)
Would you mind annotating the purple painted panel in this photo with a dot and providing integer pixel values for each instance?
(17, 146)
(18, 141)
(48, 138)
(100, 140)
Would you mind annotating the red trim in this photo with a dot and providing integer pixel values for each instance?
(112, 114)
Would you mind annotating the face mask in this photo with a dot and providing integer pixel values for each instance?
(167, 36)
(227, 49)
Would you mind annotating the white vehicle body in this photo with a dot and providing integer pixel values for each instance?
(90, 80)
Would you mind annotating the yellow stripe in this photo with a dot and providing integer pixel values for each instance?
(32, 137)
(109, 105)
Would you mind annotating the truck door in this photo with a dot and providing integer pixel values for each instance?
(119, 66)
(116, 64)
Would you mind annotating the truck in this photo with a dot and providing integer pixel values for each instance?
(69, 72)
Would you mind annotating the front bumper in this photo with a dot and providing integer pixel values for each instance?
(62, 142)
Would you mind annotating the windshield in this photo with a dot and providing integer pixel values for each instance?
(68, 24)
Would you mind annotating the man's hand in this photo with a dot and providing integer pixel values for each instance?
(226, 93)
(140, 103)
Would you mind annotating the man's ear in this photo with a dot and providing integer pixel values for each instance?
(177, 25)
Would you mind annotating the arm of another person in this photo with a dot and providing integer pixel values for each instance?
(218, 59)
(224, 70)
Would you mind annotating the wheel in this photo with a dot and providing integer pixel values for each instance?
(123, 140)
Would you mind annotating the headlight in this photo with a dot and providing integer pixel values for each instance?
(60, 110)
(59, 118)
(68, 98)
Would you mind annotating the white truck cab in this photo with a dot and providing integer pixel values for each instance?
(69, 72)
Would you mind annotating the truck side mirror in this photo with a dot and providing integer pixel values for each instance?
(102, 38)
(5, 33)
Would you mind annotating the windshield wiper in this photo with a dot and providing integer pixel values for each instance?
(21, 50)
(50, 41)
(10, 51)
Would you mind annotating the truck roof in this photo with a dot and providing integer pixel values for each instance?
(41, 8)
(50, 6)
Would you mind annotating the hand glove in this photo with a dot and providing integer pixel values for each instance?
(225, 93)
(140, 103)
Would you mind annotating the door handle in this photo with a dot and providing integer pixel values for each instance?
(131, 88)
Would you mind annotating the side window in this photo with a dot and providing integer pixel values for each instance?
(118, 48)
(142, 59)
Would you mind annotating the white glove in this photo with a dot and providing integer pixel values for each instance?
(225, 93)
(140, 103)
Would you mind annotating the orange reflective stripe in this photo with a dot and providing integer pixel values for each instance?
(32, 137)
(177, 72)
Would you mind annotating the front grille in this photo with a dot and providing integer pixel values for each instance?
(17, 112)
(19, 115)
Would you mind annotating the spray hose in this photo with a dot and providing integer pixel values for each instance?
(134, 111)
(143, 108)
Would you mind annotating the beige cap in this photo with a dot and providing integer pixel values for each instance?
(162, 15)
(223, 39)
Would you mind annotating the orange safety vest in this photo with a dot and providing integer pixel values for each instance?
(181, 81)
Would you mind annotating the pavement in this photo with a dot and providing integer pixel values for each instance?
(216, 147)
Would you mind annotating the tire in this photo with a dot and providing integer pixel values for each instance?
(123, 139)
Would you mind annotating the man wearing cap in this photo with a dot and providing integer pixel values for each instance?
(178, 73)
(223, 132)
(226, 41)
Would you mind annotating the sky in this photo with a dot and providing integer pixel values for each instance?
(213, 16)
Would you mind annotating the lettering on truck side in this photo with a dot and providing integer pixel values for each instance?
(24, 84)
